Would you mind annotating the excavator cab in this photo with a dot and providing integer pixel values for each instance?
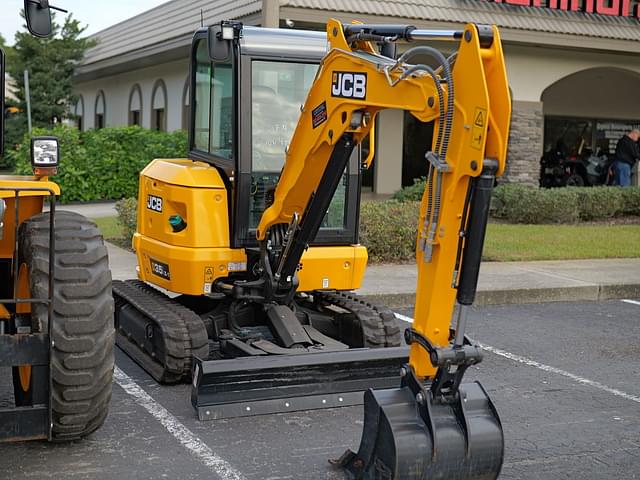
(247, 91)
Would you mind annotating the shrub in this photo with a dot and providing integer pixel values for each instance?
(412, 193)
(630, 201)
(599, 203)
(521, 204)
(388, 229)
(127, 209)
(105, 163)
(517, 203)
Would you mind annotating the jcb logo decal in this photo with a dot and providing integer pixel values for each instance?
(154, 203)
(349, 85)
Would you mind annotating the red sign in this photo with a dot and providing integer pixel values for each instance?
(615, 8)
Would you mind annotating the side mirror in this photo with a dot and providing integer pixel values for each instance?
(38, 16)
(45, 154)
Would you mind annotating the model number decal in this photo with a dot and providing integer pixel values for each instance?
(349, 85)
(154, 203)
(160, 269)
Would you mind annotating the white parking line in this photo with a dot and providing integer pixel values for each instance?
(548, 368)
(181, 433)
(633, 302)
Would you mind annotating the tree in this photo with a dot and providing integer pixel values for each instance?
(8, 51)
(50, 62)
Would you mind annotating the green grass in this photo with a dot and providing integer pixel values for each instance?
(110, 227)
(560, 242)
(507, 242)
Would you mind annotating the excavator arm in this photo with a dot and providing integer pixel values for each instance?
(467, 96)
(457, 428)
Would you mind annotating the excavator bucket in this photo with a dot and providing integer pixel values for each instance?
(285, 383)
(410, 435)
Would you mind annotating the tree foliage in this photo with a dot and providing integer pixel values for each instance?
(50, 62)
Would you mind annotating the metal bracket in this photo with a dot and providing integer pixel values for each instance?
(452, 362)
(434, 159)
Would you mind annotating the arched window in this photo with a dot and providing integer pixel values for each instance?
(159, 106)
(185, 105)
(100, 111)
(135, 106)
(78, 112)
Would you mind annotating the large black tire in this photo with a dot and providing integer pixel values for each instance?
(83, 332)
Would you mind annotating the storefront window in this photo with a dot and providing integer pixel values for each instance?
(570, 136)
(578, 137)
(609, 132)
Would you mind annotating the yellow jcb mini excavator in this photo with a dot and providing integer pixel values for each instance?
(262, 250)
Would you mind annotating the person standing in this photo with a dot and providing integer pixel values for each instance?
(627, 152)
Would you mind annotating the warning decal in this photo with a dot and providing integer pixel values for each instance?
(479, 122)
(208, 274)
(478, 129)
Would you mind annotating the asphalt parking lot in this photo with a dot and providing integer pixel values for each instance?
(564, 378)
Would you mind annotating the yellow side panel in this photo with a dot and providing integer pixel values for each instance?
(189, 261)
(334, 268)
(181, 171)
(192, 190)
(190, 271)
(26, 181)
(31, 203)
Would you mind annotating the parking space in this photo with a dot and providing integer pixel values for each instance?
(563, 376)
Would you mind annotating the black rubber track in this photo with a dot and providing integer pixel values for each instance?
(83, 334)
(379, 326)
(184, 333)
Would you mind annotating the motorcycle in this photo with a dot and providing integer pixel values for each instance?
(586, 168)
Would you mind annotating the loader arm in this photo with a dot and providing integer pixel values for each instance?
(353, 84)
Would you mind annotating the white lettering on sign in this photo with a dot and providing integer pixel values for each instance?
(154, 203)
(349, 85)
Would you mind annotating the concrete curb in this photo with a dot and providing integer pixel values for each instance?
(588, 293)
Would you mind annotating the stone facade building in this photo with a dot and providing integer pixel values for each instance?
(572, 64)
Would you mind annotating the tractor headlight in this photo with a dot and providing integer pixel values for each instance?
(45, 153)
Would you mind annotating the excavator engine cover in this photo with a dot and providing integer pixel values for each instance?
(410, 435)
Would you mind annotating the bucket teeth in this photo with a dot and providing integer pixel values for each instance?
(405, 438)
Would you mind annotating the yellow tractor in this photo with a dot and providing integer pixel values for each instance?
(253, 239)
(56, 307)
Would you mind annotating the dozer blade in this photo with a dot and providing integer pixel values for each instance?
(409, 438)
(285, 383)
